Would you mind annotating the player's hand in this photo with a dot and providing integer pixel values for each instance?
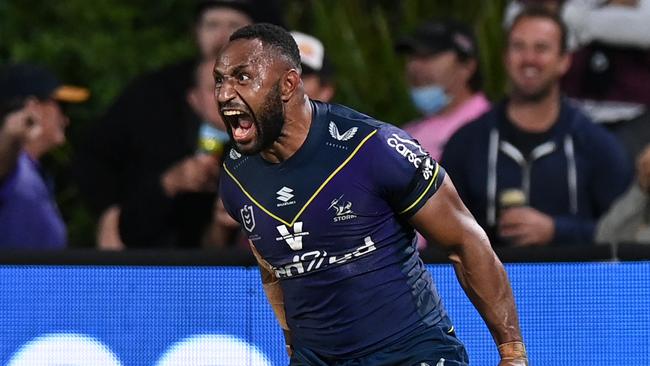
(524, 226)
(194, 174)
(288, 343)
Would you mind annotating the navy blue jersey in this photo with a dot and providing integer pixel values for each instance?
(332, 222)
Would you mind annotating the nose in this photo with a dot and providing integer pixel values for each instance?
(226, 91)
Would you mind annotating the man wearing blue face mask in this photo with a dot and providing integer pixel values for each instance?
(442, 72)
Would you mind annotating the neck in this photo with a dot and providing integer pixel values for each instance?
(34, 150)
(535, 116)
(294, 133)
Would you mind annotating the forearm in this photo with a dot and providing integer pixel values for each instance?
(486, 283)
(274, 296)
(272, 288)
(9, 151)
(446, 221)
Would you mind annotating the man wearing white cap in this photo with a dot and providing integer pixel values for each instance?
(317, 72)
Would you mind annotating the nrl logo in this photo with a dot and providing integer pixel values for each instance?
(247, 218)
(334, 132)
(234, 155)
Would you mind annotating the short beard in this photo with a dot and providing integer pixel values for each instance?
(531, 97)
(269, 123)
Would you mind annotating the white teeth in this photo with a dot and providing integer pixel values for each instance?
(530, 72)
(232, 113)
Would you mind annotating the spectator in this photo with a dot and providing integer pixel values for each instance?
(610, 71)
(628, 220)
(567, 169)
(443, 74)
(32, 123)
(138, 168)
(317, 71)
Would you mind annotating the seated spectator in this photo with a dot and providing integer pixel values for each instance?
(610, 72)
(567, 169)
(443, 74)
(628, 220)
(317, 71)
(32, 123)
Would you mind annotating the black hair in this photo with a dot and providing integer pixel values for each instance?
(539, 11)
(274, 37)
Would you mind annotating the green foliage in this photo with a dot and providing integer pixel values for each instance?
(103, 44)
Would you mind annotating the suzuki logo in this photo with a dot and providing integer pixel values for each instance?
(293, 240)
(284, 194)
(334, 132)
(247, 218)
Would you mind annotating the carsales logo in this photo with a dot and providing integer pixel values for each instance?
(405, 148)
(72, 349)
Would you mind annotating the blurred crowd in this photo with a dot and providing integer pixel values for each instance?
(563, 159)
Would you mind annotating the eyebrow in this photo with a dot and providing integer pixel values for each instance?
(234, 70)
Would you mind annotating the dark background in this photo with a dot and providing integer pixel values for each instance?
(102, 44)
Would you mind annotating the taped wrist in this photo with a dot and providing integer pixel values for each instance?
(513, 351)
(276, 299)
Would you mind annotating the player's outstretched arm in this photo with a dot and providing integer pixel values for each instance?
(445, 220)
(274, 295)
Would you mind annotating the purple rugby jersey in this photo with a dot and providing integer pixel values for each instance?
(332, 222)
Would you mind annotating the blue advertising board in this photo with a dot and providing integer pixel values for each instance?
(571, 314)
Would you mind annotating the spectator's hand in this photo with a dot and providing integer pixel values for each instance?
(18, 127)
(643, 169)
(195, 174)
(524, 226)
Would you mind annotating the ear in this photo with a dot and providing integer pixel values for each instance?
(565, 63)
(290, 84)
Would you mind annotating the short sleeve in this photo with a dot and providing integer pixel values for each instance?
(227, 193)
(406, 174)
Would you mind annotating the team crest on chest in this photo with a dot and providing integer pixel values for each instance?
(342, 209)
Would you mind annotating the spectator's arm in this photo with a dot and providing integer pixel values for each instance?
(108, 230)
(617, 25)
(14, 130)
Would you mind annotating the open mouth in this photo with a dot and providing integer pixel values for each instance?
(240, 123)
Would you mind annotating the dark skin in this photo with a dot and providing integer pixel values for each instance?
(246, 72)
